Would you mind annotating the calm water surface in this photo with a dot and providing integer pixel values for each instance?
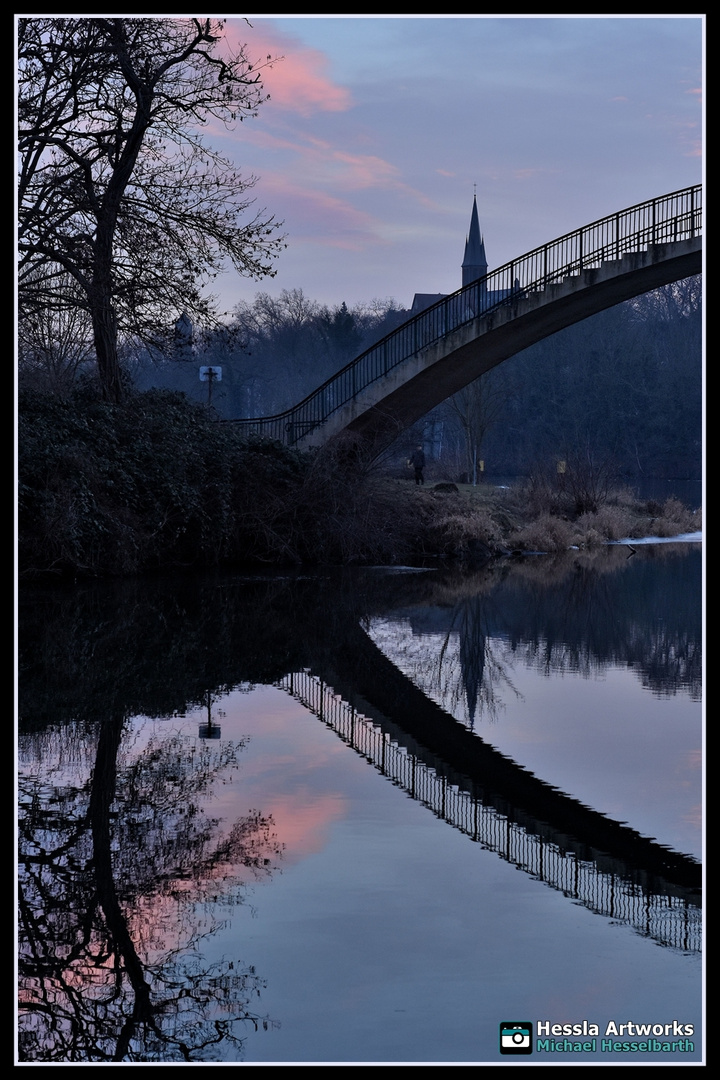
(364, 817)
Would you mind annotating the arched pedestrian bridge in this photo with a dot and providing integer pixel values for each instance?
(445, 347)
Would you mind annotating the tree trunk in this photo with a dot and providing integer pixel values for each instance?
(102, 311)
(102, 796)
(105, 335)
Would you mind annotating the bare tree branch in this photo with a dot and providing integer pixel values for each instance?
(116, 185)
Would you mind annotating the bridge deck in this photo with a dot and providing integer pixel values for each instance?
(453, 342)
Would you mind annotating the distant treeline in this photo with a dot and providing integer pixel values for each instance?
(625, 384)
(623, 387)
(273, 352)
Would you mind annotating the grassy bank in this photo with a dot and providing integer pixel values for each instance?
(520, 519)
(157, 483)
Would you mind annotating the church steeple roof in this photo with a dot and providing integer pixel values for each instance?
(474, 264)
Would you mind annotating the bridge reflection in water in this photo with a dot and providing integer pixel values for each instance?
(658, 907)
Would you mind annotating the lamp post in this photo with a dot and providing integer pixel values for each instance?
(209, 729)
(210, 375)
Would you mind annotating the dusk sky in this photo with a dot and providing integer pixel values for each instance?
(379, 129)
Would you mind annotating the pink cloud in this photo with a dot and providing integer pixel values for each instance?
(326, 164)
(366, 170)
(298, 81)
(691, 139)
(694, 816)
(303, 820)
(320, 217)
(527, 173)
(322, 164)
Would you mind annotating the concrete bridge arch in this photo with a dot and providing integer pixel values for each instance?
(385, 408)
(460, 337)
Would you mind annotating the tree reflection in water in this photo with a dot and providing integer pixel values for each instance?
(116, 855)
(462, 665)
(462, 642)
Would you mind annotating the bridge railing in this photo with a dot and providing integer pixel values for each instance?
(667, 219)
(672, 920)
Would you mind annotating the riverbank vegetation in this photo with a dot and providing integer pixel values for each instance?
(158, 483)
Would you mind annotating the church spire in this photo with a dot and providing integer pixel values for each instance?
(474, 264)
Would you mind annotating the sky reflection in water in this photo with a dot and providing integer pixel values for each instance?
(380, 932)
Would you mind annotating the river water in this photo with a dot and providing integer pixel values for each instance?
(412, 815)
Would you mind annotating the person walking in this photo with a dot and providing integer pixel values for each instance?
(417, 460)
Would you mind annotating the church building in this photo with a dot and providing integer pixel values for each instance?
(474, 265)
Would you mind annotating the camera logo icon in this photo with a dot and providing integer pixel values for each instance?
(516, 1037)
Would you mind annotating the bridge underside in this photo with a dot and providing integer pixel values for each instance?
(385, 408)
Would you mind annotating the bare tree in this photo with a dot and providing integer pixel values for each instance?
(110, 956)
(295, 343)
(474, 410)
(55, 342)
(117, 187)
